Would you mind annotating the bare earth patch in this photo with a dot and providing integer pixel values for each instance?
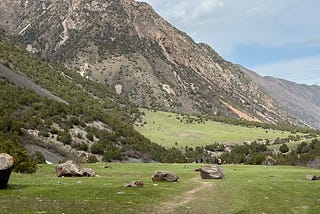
(182, 200)
(190, 135)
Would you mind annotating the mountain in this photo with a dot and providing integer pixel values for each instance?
(302, 101)
(55, 111)
(126, 45)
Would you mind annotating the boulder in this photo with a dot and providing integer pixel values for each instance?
(69, 169)
(312, 177)
(211, 172)
(164, 176)
(270, 161)
(88, 172)
(134, 184)
(6, 166)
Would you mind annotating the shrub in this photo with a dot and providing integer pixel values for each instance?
(22, 162)
(82, 146)
(284, 148)
(92, 159)
(38, 158)
(97, 148)
(89, 135)
(64, 137)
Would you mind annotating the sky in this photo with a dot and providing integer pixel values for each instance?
(279, 38)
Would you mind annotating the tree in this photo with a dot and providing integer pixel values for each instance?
(284, 148)
(22, 162)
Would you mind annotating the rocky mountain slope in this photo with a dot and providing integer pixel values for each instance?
(302, 101)
(125, 45)
(53, 110)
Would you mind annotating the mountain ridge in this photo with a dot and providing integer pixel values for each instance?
(126, 45)
(301, 100)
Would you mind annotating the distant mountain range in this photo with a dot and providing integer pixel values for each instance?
(127, 46)
(300, 100)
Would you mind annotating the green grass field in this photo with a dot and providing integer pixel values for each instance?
(246, 189)
(163, 128)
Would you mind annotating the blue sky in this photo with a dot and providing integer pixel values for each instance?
(279, 38)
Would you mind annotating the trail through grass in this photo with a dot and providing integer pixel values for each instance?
(246, 189)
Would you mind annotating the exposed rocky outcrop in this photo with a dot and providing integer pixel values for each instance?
(126, 45)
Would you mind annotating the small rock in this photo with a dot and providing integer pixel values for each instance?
(312, 177)
(88, 172)
(164, 176)
(134, 184)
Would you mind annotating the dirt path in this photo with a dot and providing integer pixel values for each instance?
(187, 197)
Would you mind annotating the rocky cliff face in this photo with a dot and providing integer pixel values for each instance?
(124, 44)
(302, 101)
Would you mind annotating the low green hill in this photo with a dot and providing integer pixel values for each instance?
(170, 129)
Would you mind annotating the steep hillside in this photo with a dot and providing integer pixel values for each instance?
(126, 45)
(302, 101)
(51, 109)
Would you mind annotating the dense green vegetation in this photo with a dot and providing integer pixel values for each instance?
(179, 138)
(198, 139)
(88, 102)
(246, 189)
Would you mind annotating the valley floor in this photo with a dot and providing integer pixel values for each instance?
(246, 189)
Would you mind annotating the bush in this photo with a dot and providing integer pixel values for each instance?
(111, 153)
(97, 148)
(284, 148)
(92, 159)
(38, 158)
(22, 162)
(64, 137)
(89, 135)
(80, 146)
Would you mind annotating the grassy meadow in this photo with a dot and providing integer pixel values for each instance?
(165, 129)
(246, 189)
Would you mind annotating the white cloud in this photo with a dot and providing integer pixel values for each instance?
(302, 70)
(229, 25)
(224, 24)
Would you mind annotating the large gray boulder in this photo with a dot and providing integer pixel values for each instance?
(164, 176)
(70, 169)
(211, 172)
(6, 166)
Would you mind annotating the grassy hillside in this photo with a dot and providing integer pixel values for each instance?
(169, 129)
(246, 189)
(29, 118)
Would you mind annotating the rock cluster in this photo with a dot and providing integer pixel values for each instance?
(6, 166)
(69, 169)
